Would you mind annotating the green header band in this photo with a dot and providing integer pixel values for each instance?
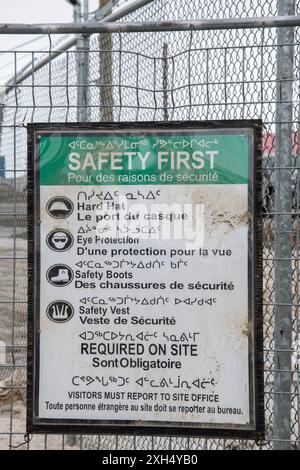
(146, 158)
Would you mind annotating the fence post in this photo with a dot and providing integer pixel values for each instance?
(283, 226)
(297, 358)
(82, 48)
(165, 80)
(106, 73)
(2, 98)
(82, 56)
(2, 157)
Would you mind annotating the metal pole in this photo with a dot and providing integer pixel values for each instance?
(151, 26)
(2, 157)
(165, 80)
(2, 101)
(108, 26)
(71, 438)
(82, 98)
(283, 225)
(106, 73)
(297, 309)
(30, 68)
(82, 49)
(297, 325)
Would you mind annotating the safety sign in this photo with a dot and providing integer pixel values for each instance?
(145, 278)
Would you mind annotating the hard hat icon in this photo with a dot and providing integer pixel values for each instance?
(59, 206)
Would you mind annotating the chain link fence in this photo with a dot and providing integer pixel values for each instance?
(156, 76)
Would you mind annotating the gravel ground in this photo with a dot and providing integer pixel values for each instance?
(18, 426)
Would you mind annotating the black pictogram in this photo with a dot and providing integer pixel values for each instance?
(60, 275)
(60, 240)
(60, 207)
(60, 311)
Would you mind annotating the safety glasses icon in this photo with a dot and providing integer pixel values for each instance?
(59, 240)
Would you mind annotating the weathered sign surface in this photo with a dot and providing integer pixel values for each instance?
(144, 282)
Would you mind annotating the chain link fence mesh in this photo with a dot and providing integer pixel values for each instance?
(195, 75)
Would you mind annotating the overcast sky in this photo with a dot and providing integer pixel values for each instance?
(31, 11)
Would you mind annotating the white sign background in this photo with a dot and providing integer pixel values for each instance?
(222, 329)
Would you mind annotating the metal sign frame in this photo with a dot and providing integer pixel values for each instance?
(255, 283)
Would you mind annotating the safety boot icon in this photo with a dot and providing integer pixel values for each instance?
(62, 276)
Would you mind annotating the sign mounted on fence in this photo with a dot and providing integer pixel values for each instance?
(145, 279)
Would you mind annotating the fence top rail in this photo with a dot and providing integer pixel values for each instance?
(99, 16)
(138, 27)
(152, 26)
